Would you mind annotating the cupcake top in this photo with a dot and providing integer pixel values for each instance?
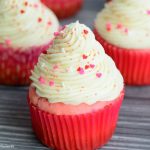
(26, 23)
(125, 23)
(76, 69)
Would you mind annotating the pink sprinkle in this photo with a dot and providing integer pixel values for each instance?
(84, 56)
(119, 26)
(92, 66)
(49, 23)
(148, 12)
(39, 19)
(51, 42)
(108, 26)
(41, 80)
(8, 41)
(51, 83)
(56, 33)
(126, 30)
(55, 67)
(98, 75)
(36, 5)
(80, 70)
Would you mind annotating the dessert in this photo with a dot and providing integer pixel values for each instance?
(126, 39)
(76, 92)
(26, 29)
(64, 8)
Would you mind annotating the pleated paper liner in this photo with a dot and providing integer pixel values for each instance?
(76, 132)
(15, 65)
(64, 8)
(133, 64)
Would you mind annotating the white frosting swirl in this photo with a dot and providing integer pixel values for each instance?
(26, 23)
(133, 20)
(76, 47)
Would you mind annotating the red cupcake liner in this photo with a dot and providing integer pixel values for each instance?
(76, 132)
(15, 65)
(134, 64)
(63, 8)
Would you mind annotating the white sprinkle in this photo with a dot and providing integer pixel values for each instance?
(63, 50)
(63, 84)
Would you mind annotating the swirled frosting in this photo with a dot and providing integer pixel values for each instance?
(125, 23)
(76, 69)
(26, 23)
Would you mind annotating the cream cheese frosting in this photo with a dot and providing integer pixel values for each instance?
(26, 23)
(125, 23)
(76, 69)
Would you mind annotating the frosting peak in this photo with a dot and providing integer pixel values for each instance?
(125, 23)
(76, 69)
(26, 23)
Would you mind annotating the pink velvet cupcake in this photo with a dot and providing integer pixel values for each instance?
(126, 39)
(76, 92)
(64, 8)
(26, 30)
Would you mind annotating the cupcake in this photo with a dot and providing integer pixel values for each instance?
(76, 92)
(64, 8)
(26, 30)
(126, 39)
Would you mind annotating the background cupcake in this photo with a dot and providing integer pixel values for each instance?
(76, 92)
(64, 8)
(26, 29)
(123, 28)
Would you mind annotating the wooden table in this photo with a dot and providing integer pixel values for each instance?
(133, 129)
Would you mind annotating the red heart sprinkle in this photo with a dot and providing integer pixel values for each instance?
(39, 19)
(87, 66)
(84, 56)
(85, 31)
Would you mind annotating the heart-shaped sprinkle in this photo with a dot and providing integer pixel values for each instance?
(41, 80)
(26, 3)
(98, 75)
(51, 42)
(108, 26)
(84, 56)
(126, 30)
(51, 83)
(85, 31)
(148, 12)
(92, 66)
(119, 26)
(55, 67)
(56, 33)
(49, 23)
(80, 70)
(87, 66)
(22, 11)
(39, 19)
(35, 5)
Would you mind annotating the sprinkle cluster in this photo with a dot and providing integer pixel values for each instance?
(26, 4)
(118, 26)
(80, 70)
